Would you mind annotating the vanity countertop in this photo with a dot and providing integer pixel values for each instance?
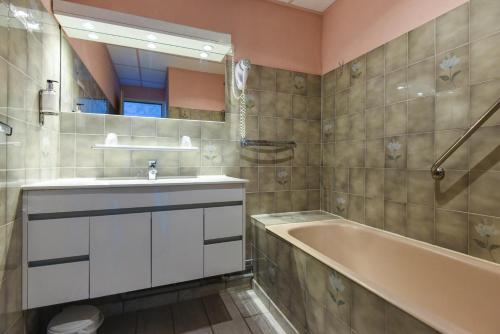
(293, 217)
(131, 182)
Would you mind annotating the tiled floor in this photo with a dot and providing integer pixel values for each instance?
(223, 313)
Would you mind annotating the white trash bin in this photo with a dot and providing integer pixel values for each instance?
(78, 319)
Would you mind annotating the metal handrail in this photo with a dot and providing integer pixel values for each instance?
(437, 171)
(5, 128)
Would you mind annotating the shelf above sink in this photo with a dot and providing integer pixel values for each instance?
(144, 148)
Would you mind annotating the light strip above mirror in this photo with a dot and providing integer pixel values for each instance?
(111, 27)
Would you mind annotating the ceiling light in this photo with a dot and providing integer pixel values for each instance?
(93, 36)
(401, 87)
(151, 37)
(88, 25)
(152, 45)
(208, 47)
(420, 94)
(204, 55)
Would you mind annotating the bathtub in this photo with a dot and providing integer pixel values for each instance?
(449, 291)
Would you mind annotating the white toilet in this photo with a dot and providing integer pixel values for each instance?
(79, 319)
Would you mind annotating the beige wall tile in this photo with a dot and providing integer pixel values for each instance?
(484, 55)
(421, 42)
(396, 53)
(452, 230)
(368, 311)
(484, 197)
(483, 16)
(395, 119)
(452, 28)
(375, 62)
(374, 212)
(420, 222)
(395, 217)
(484, 237)
(375, 92)
(421, 79)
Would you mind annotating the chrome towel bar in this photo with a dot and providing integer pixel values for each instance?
(437, 171)
(267, 143)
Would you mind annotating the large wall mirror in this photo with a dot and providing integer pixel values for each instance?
(142, 67)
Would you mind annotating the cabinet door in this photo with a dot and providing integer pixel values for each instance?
(120, 253)
(177, 246)
(222, 222)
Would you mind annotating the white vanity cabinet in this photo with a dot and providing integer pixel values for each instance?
(120, 253)
(100, 239)
(177, 242)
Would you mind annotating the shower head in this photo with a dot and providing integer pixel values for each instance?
(242, 70)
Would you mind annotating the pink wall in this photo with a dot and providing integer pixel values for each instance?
(196, 90)
(143, 93)
(354, 27)
(96, 58)
(267, 33)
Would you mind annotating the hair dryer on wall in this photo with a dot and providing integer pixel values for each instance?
(241, 71)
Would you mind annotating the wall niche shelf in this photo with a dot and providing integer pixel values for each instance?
(144, 148)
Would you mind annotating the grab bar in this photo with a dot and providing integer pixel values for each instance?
(5, 128)
(251, 142)
(437, 171)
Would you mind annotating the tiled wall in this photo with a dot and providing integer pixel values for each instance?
(390, 113)
(316, 299)
(283, 105)
(29, 55)
(196, 114)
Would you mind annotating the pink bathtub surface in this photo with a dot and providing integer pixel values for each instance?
(452, 292)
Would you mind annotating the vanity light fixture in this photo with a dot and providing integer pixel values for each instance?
(133, 31)
(152, 46)
(88, 25)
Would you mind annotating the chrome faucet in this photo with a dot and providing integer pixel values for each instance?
(152, 169)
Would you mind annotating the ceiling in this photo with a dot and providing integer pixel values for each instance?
(314, 5)
(136, 67)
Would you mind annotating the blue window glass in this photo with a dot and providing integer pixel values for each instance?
(143, 109)
(93, 106)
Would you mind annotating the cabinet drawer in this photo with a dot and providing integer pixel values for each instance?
(57, 238)
(223, 258)
(57, 284)
(223, 222)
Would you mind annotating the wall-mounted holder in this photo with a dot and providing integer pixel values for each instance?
(49, 101)
(5, 128)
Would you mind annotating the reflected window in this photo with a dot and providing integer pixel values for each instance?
(142, 109)
(93, 106)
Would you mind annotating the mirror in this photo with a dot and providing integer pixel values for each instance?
(148, 68)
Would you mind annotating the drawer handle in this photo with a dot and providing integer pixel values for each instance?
(60, 260)
(221, 240)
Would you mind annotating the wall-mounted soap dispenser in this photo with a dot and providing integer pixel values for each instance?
(49, 101)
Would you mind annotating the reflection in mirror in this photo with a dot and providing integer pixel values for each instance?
(161, 70)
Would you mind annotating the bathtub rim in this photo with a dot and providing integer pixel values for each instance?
(440, 324)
